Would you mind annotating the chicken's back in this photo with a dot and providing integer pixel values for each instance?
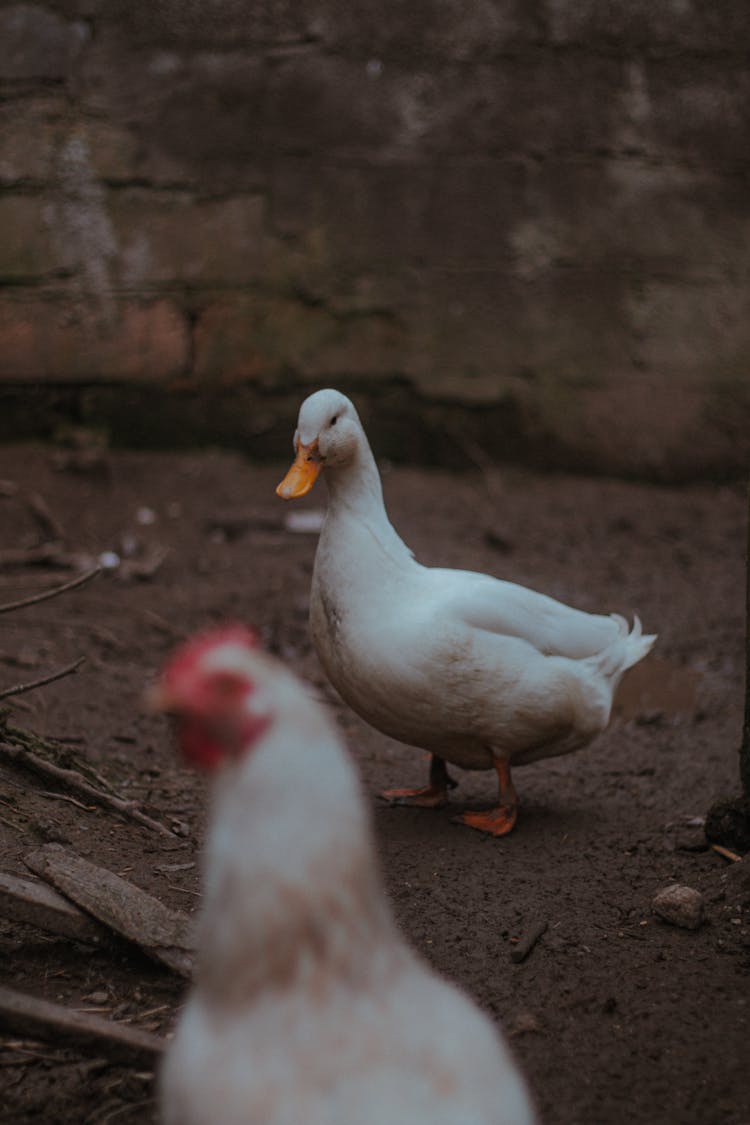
(415, 1050)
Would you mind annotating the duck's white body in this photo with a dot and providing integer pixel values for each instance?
(467, 666)
(456, 662)
(309, 1007)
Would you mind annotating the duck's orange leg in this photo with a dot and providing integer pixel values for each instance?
(500, 820)
(432, 796)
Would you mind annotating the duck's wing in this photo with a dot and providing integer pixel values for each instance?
(487, 603)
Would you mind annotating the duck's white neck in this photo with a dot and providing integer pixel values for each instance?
(292, 893)
(356, 492)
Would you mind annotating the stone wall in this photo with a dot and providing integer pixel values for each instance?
(536, 209)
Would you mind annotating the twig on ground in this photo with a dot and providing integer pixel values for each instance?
(730, 855)
(21, 689)
(34, 599)
(126, 1107)
(27, 1015)
(145, 1015)
(29, 1055)
(184, 890)
(66, 797)
(48, 554)
(15, 746)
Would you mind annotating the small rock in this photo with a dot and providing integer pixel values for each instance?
(109, 560)
(691, 840)
(525, 1024)
(99, 997)
(680, 906)
(51, 832)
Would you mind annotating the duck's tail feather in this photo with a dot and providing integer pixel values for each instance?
(630, 647)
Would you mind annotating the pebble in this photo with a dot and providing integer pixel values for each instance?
(680, 906)
(691, 840)
(525, 1023)
(109, 560)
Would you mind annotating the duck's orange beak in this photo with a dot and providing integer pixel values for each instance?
(303, 473)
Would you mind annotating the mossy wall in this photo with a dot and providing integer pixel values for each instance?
(536, 211)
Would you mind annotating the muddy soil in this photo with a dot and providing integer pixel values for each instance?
(614, 1015)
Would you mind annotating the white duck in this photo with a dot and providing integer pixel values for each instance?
(482, 673)
(309, 1008)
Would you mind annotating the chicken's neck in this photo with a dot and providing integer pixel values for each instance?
(292, 893)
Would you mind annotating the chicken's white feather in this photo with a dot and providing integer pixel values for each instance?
(309, 1008)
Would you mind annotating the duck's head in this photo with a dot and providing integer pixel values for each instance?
(328, 433)
(216, 689)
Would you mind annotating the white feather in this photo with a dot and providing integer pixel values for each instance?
(309, 1008)
(462, 664)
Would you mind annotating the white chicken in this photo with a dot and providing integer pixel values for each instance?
(309, 1008)
(483, 673)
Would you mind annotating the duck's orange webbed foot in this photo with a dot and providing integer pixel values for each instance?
(500, 820)
(425, 798)
(497, 822)
(432, 796)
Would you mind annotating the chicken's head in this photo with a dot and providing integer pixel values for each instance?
(210, 689)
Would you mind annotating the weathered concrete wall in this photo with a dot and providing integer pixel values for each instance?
(538, 207)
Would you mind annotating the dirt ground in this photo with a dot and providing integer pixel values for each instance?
(615, 1015)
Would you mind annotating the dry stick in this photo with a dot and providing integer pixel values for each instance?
(21, 689)
(126, 1107)
(66, 797)
(528, 940)
(36, 598)
(726, 853)
(50, 748)
(35, 556)
(78, 784)
(27, 1015)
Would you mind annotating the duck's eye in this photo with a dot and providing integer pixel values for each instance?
(334, 420)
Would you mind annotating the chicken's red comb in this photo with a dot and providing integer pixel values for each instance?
(188, 655)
